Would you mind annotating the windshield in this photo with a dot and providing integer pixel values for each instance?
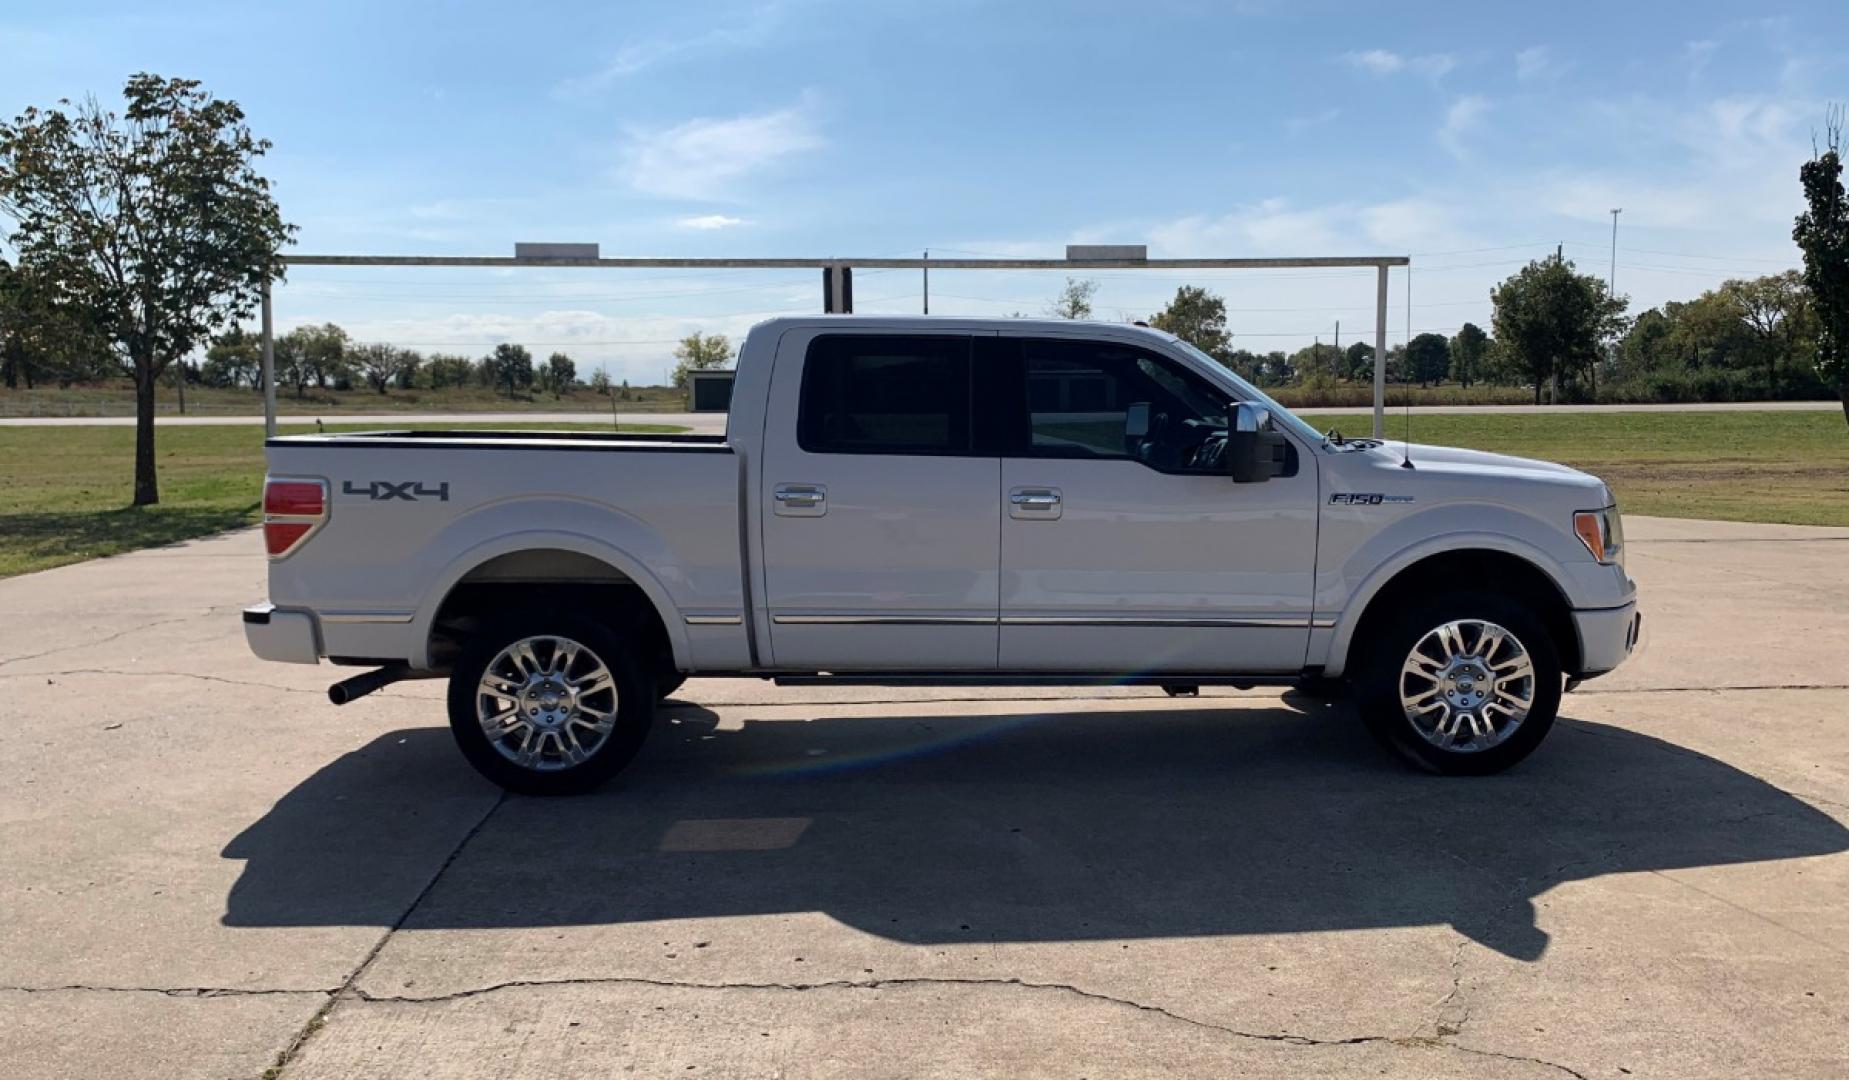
(1279, 414)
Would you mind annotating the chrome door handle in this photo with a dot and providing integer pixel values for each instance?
(800, 500)
(1034, 503)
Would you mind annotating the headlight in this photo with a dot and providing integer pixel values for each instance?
(1602, 531)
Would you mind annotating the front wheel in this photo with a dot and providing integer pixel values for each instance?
(1460, 683)
(549, 705)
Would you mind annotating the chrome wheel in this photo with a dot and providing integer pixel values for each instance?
(546, 703)
(1467, 686)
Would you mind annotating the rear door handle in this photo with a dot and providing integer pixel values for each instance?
(800, 500)
(1034, 504)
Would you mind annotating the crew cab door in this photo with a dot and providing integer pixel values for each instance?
(1123, 553)
(880, 523)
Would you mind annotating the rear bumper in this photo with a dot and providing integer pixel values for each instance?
(285, 636)
(1607, 637)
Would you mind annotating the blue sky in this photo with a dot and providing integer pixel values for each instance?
(1472, 136)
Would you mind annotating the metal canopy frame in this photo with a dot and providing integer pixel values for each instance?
(838, 289)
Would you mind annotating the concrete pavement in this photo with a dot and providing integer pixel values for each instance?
(209, 868)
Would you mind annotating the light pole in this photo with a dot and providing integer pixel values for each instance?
(1611, 279)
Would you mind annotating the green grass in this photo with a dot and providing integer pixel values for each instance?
(1790, 467)
(64, 491)
(117, 398)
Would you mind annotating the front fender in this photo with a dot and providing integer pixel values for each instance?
(1357, 578)
(585, 528)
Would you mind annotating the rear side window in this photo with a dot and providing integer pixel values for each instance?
(878, 394)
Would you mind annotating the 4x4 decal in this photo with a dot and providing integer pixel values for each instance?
(388, 490)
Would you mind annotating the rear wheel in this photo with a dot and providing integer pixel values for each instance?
(549, 705)
(667, 682)
(1461, 683)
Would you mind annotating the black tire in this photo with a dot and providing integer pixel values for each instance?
(667, 682)
(1377, 679)
(633, 685)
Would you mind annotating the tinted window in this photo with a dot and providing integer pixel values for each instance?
(1082, 397)
(885, 395)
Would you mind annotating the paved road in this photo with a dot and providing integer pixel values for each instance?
(714, 423)
(207, 866)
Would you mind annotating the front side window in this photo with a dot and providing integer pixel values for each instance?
(1105, 400)
(884, 394)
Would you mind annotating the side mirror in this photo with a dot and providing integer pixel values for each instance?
(1255, 452)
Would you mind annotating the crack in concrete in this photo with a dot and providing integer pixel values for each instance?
(1438, 1042)
(1450, 1021)
(1712, 689)
(105, 639)
(166, 674)
(166, 991)
(346, 987)
(875, 984)
(1480, 1052)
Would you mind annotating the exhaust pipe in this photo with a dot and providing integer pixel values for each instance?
(360, 685)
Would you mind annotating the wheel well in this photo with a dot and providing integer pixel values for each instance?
(539, 579)
(1511, 574)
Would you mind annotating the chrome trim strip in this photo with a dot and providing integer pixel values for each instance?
(366, 616)
(1323, 624)
(883, 620)
(1223, 622)
(714, 620)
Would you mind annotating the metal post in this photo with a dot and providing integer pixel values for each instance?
(1380, 355)
(1611, 279)
(927, 281)
(269, 363)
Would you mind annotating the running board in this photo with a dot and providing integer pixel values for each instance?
(1178, 680)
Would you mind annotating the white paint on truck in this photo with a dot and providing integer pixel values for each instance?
(961, 499)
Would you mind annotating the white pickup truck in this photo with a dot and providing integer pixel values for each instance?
(935, 500)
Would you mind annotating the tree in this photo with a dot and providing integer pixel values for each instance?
(1822, 232)
(1197, 317)
(1429, 358)
(700, 352)
(233, 359)
(42, 340)
(559, 374)
(509, 366)
(1776, 314)
(1322, 358)
(446, 371)
(1468, 351)
(1073, 301)
(155, 223)
(1358, 362)
(316, 354)
(384, 365)
(600, 383)
(1551, 320)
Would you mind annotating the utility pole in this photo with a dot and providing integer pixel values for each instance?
(927, 283)
(1611, 279)
(1336, 364)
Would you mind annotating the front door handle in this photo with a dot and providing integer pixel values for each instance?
(800, 500)
(1034, 504)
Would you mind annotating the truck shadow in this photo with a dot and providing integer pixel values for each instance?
(1078, 826)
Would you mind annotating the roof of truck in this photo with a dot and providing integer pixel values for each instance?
(963, 322)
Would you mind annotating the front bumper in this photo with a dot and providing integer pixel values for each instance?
(285, 636)
(1607, 636)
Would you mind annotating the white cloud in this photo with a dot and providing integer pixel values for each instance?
(1462, 118)
(1276, 227)
(1383, 62)
(708, 222)
(1538, 63)
(745, 31)
(708, 158)
(1306, 121)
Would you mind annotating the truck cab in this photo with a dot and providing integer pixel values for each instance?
(930, 499)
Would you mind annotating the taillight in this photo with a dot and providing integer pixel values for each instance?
(291, 510)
